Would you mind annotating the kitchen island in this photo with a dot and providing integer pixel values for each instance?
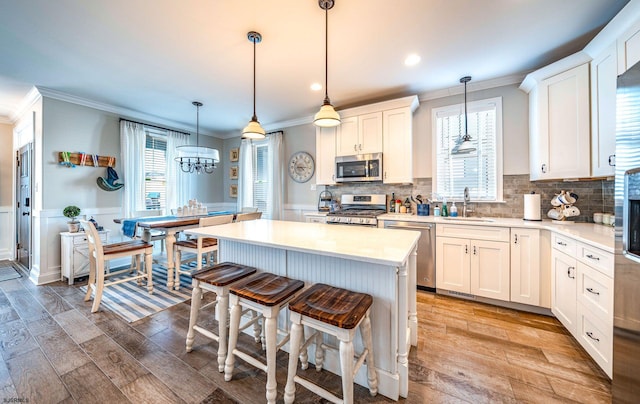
(380, 262)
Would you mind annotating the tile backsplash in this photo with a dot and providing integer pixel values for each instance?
(594, 196)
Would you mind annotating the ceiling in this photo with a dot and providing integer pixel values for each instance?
(153, 58)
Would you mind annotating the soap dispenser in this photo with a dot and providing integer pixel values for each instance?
(454, 210)
(445, 211)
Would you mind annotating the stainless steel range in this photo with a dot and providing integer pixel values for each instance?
(360, 210)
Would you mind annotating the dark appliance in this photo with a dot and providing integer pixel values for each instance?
(626, 320)
(361, 167)
(360, 210)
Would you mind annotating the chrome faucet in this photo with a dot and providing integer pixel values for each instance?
(466, 200)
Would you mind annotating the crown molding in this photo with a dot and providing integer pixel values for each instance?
(5, 120)
(472, 86)
(27, 102)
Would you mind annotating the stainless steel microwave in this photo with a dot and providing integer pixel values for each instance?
(361, 167)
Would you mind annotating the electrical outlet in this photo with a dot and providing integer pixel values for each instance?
(313, 187)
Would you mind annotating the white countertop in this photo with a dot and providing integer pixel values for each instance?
(597, 235)
(369, 244)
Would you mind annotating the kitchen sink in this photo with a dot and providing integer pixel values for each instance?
(467, 219)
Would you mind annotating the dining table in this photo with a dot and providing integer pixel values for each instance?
(170, 225)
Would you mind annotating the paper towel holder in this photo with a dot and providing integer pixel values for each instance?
(538, 211)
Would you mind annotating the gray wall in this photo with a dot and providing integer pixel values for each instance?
(6, 165)
(72, 127)
(299, 138)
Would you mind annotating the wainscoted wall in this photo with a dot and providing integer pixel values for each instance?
(6, 234)
(594, 196)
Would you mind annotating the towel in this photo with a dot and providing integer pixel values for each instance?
(129, 225)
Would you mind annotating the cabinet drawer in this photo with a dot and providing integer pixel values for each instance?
(596, 258)
(83, 239)
(596, 338)
(564, 244)
(595, 292)
(473, 232)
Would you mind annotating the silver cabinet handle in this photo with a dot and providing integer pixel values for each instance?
(590, 290)
(590, 335)
(561, 243)
(355, 147)
(569, 272)
(593, 257)
(543, 168)
(474, 250)
(360, 146)
(466, 249)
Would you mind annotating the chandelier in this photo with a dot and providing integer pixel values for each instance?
(464, 144)
(197, 159)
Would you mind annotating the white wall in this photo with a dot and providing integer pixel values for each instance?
(6, 192)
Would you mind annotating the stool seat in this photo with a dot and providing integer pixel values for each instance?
(193, 243)
(267, 289)
(223, 274)
(339, 307)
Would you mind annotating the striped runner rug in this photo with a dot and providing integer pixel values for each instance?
(133, 302)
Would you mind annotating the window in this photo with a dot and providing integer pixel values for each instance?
(480, 170)
(155, 165)
(260, 176)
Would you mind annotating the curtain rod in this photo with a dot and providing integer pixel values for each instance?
(155, 126)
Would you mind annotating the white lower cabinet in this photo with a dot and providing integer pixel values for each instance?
(525, 266)
(478, 266)
(74, 259)
(582, 299)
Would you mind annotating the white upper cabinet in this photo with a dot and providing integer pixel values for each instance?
(326, 156)
(397, 146)
(559, 124)
(360, 134)
(629, 48)
(603, 112)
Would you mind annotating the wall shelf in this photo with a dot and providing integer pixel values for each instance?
(76, 159)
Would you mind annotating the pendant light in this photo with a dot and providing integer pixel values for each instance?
(197, 159)
(253, 130)
(464, 144)
(327, 116)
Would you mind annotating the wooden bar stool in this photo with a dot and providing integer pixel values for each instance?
(217, 279)
(337, 312)
(265, 294)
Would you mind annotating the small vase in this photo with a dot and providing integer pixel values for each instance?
(73, 227)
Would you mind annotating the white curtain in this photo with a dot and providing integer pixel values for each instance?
(179, 183)
(132, 144)
(275, 176)
(245, 175)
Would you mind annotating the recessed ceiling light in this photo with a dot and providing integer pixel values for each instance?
(316, 86)
(412, 60)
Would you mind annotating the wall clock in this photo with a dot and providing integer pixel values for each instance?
(301, 166)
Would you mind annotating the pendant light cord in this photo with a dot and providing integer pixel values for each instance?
(466, 127)
(254, 118)
(326, 55)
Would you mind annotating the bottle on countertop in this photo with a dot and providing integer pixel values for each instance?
(436, 210)
(392, 204)
(454, 210)
(398, 203)
(445, 211)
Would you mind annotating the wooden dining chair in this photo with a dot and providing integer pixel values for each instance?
(248, 209)
(100, 254)
(240, 217)
(156, 235)
(200, 246)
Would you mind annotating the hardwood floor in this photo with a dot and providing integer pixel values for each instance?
(54, 350)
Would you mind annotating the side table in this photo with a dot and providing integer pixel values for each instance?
(74, 258)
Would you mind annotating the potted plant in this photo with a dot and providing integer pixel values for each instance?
(72, 212)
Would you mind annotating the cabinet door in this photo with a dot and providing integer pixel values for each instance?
(564, 122)
(603, 112)
(397, 139)
(370, 133)
(347, 137)
(452, 264)
(80, 260)
(563, 289)
(490, 269)
(629, 48)
(525, 266)
(326, 156)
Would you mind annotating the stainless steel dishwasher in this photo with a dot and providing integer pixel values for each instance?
(426, 260)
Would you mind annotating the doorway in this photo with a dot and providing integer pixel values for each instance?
(23, 206)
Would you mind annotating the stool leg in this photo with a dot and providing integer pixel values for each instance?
(223, 311)
(138, 270)
(294, 347)
(372, 376)
(257, 329)
(177, 265)
(319, 351)
(304, 354)
(346, 368)
(271, 335)
(148, 266)
(92, 279)
(234, 325)
(196, 301)
(99, 285)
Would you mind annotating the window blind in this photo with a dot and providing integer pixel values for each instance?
(155, 163)
(260, 177)
(480, 170)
